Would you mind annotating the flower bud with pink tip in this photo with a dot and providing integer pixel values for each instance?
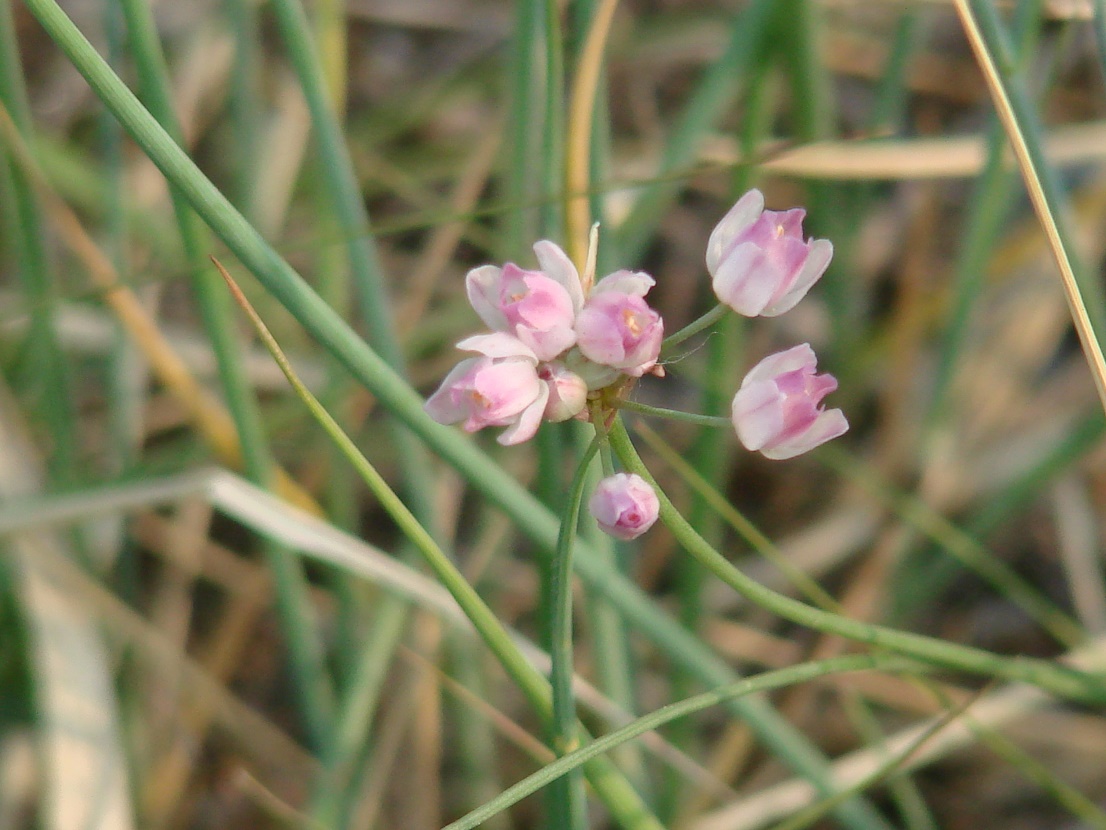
(759, 262)
(501, 388)
(537, 307)
(568, 393)
(778, 408)
(617, 328)
(625, 505)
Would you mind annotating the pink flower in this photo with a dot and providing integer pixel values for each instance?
(568, 393)
(759, 261)
(777, 409)
(537, 307)
(499, 389)
(617, 328)
(624, 505)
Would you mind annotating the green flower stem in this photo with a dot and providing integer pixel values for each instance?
(710, 497)
(675, 414)
(694, 327)
(764, 682)
(564, 734)
(335, 335)
(1056, 679)
(608, 782)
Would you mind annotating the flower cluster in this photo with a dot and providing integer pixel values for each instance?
(557, 340)
(550, 344)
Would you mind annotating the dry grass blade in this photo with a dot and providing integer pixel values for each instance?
(86, 781)
(1083, 326)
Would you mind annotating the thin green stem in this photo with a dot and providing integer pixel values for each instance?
(564, 734)
(694, 327)
(1056, 679)
(675, 414)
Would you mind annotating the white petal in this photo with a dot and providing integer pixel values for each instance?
(497, 344)
(556, 265)
(482, 286)
(739, 217)
(757, 414)
(634, 283)
(797, 357)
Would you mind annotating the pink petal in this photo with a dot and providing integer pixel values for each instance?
(820, 252)
(528, 421)
(829, 425)
(482, 286)
(442, 406)
(737, 219)
(556, 265)
(797, 357)
(745, 281)
(758, 413)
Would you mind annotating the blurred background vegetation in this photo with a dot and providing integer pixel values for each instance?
(180, 650)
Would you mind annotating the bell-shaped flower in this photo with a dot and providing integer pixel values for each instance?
(778, 408)
(625, 505)
(537, 307)
(568, 393)
(759, 261)
(500, 388)
(616, 327)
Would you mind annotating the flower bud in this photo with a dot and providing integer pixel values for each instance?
(568, 393)
(624, 505)
(777, 409)
(758, 260)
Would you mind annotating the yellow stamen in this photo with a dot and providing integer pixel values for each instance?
(633, 323)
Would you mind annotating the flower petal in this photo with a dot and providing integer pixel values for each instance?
(482, 286)
(556, 265)
(739, 217)
(497, 344)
